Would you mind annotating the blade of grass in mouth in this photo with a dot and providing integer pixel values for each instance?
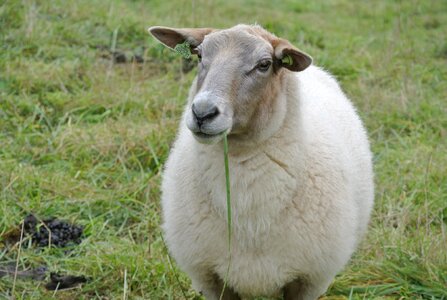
(227, 183)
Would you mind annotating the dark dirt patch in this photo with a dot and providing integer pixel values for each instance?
(52, 231)
(59, 282)
(42, 233)
(56, 282)
(137, 58)
(38, 273)
(121, 56)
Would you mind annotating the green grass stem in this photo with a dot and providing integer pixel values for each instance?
(229, 219)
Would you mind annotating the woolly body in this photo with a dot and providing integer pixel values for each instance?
(301, 198)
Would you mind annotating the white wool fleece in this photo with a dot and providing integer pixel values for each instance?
(301, 199)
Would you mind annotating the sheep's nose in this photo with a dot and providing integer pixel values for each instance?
(204, 113)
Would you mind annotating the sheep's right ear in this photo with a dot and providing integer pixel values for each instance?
(291, 57)
(171, 37)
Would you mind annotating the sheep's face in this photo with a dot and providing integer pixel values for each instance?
(234, 72)
(238, 86)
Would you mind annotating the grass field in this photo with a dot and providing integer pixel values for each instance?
(84, 139)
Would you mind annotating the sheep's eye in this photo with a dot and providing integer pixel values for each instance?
(264, 65)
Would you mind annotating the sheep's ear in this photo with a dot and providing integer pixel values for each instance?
(171, 37)
(290, 57)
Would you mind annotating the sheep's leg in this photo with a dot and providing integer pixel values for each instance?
(294, 290)
(211, 288)
(300, 289)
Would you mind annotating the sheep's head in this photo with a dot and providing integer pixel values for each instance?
(239, 82)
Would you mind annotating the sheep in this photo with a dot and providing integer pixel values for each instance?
(300, 168)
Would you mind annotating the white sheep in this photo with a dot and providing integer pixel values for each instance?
(300, 168)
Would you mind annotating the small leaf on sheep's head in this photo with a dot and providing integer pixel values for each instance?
(184, 49)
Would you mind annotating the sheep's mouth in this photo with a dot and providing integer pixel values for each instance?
(207, 138)
(206, 135)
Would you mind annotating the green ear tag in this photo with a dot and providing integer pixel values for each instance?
(183, 49)
(287, 60)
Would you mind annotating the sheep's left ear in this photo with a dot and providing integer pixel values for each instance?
(171, 37)
(290, 57)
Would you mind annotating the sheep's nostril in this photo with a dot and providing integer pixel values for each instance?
(204, 115)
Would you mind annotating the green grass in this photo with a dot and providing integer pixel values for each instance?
(229, 220)
(84, 139)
